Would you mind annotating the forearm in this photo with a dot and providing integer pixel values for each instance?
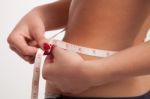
(54, 15)
(134, 61)
(131, 62)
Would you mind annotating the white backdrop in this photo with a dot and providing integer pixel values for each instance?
(15, 74)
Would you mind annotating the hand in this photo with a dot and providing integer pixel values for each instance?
(27, 36)
(65, 71)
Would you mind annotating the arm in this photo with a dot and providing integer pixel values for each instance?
(54, 15)
(70, 73)
(130, 62)
(134, 61)
(28, 34)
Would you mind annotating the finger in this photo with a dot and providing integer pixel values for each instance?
(21, 45)
(33, 43)
(30, 59)
(38, 35)
(58, 52)
(48, 69)
(48, 59)
(17, 52)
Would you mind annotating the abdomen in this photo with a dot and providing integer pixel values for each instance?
(109, 25)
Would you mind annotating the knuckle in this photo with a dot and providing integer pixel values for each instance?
(26, 58)
(12, 48)
(10, 39)
(25, 52)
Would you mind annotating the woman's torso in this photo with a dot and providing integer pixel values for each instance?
(110, 25)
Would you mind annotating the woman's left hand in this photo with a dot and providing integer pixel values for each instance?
(66, 72)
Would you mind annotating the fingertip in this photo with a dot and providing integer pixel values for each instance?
(32, 50)
(43, 43)
(46, 46)
(31, 62)
(27, 58)
(58, 50)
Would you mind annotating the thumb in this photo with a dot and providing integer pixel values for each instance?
(38, 35)
(58, 52)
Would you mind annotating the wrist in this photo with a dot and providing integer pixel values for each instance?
(38, 11)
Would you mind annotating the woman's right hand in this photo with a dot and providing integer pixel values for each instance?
(28, 35)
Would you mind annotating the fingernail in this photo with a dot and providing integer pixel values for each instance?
(46, 46)
(47, 49)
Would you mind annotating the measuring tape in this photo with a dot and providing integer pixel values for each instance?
(67, 46)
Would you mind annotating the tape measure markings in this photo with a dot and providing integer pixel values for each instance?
(67, 46)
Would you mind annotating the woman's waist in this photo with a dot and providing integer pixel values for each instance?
(99, 42)
(129, 87)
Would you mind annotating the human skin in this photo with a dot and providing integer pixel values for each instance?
(115, 25)
(30, 29)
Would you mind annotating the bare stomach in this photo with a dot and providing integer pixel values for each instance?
(109, 25)
(128, 87)
(98, 24)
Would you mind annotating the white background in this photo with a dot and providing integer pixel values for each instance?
(15, 74)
